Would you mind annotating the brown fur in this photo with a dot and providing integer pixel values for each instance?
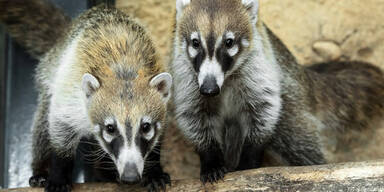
(221, 19)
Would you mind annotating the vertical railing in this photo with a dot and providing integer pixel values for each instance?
(2, 105)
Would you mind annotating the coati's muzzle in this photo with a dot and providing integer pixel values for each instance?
(130, 164)
(130, 175)
(211, 78)
(209, 86)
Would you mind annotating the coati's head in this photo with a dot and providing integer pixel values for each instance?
(214, 34)
(128, 116)
(125, 91)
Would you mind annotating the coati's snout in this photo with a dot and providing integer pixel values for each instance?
(210, 78)
(210, 87)
(130, 175)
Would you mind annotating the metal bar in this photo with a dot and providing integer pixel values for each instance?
(2, 105)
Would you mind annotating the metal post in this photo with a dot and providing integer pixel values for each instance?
(3, 78)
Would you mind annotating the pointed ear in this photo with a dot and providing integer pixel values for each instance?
(89, 84)
(163, 83)
(252, 7)
(180, 5)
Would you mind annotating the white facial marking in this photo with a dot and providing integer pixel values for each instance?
(211, 67)
(230, 35)
(194, 35)
(147, 119)
(192, 51)
(109, 121)
(130, 154)
(107, 137)
(233, 51)
(151, 133)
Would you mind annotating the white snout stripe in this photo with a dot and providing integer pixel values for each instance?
(212, 68)
(130, 155)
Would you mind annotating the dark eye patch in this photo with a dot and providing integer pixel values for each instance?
(199, 58)
(116, 145)
(224, 59)
(143, 144)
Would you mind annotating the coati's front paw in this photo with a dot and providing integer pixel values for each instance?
(156, 181)
(57, 187)
(212, 174)
(38, 180)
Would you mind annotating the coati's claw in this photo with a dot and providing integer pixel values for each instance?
(38, 181)
(157, 182)
(213, 175)
(53, 187)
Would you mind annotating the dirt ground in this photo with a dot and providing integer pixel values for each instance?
(313, 30)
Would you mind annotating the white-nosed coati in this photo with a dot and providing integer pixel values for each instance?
(99, 77)
(239, 93)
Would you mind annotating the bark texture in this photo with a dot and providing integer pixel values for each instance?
(359, 176)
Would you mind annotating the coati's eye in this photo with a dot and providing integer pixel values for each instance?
(195, 43)
(229, 43)
(111, 129)
(145, 128)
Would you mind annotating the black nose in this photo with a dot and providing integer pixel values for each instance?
(209, 87)
(131, 175)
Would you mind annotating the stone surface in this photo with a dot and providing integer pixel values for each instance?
(328, 50)
(355, 25)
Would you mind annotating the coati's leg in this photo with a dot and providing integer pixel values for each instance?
(251, 156)
(154, 176)
(64, 140)
(233, 142)
(297, 147)
(40, 145)
(200, 130)
(212, 164)
(60, 174)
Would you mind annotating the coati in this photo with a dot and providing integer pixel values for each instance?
(239, 93)
(101, 79)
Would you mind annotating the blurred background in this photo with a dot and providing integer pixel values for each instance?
(313, 30)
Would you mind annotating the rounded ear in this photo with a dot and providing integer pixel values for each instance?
(252, 7)
(163, 83)
(180, 5)
(89, 84)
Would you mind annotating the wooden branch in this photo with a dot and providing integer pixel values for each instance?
(361, 176)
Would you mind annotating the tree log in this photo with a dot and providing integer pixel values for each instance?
(359, 176)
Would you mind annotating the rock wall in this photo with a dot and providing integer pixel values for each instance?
(313, 30)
